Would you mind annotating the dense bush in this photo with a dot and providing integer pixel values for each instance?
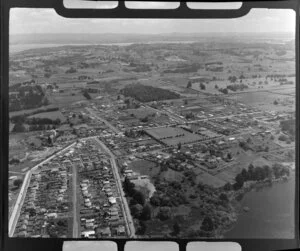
(28, 97)
(19, 127)
(71, 70)
(86, 94)
(236, 87)
(145, 93)
(260, 173)
(288, 126)
(184, 69)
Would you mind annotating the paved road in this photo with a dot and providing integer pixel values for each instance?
(75, 213)
(116, 130)
(22, 194)
(172, 115)
(128, 216)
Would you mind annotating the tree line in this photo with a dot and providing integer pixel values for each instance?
(139, 208)
(258, 174)
(144, 93)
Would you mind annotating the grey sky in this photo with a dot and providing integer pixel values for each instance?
(48, 21)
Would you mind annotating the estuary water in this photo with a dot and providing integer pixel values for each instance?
(271, 213)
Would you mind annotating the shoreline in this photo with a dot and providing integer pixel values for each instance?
(237, 205)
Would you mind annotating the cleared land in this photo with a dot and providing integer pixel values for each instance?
(51, 115)
(171, 136)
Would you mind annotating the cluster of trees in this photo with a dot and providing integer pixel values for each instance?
(174, 163)
(40, 127)
(280, 52)
(215, 209)
(223, 90)
(139, 208)
(190, 115)
(83, 77)
(202, 86)
(286, 138)
(133, 133)
(35, 124)
(86, 94)
(245, 145)
(288, 126)
(184, 69)
(145, 93)
(17, 86)
(168, 194)
(94, 82)
(139, 68)
(273, 76)
(42, 121)
(19, 127)
(71, 70)
(52, 86)
(259, 174)
(232, 79)
(92, 90)
(214, 63)
(29, 97)
(17, 183)
(215, 68)
(57, 228)
(236, 87)
(287, 83)
(22, 118)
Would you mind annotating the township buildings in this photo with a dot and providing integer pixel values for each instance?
(78, 186)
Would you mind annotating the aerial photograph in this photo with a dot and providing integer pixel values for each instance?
(152, 128)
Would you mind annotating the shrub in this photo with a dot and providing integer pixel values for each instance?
(18, 182)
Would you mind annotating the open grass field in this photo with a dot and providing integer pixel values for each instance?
(63, 99)
(141, 112)
(254, 84)
(208, 179)
(51, 115)
(172, 136)
(144, 167)
(265, 101)
(28, 111)
(171, 175)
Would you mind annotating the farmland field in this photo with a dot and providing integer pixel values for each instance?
(265, 101)
(172, 136)
(51, 115)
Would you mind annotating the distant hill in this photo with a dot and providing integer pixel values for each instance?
(144, 93)
(138, 38)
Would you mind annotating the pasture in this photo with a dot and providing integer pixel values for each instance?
(51, 115)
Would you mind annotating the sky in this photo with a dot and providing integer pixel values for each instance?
(27, 21)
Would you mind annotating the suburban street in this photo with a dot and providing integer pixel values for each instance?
(116, 130)
(126, 209)
(75, 213)
(21, 197)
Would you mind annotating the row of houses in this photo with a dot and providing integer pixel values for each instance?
(101, 212)
(47, 199)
